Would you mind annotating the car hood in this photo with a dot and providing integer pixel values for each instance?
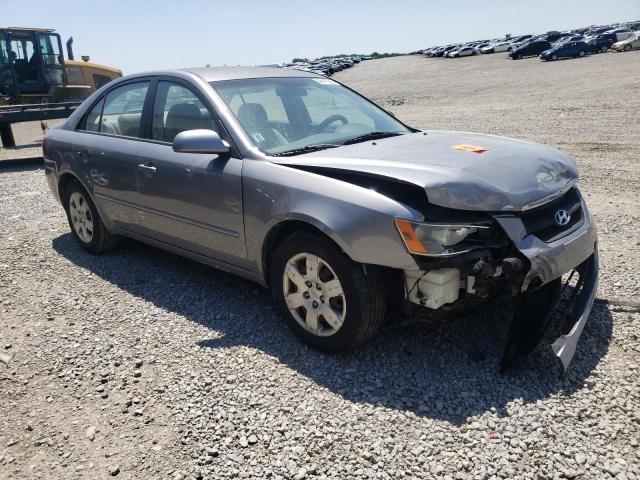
(510, 175)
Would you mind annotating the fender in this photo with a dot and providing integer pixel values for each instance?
(359, 220)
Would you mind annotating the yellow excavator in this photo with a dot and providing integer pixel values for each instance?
(37, 82)
(33, 68)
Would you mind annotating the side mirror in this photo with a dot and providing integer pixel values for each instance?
(199, 141)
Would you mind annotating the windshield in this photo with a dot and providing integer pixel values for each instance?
(297, 114)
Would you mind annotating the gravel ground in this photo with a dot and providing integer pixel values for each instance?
(140, 364)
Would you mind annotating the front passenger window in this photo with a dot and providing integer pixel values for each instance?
(177, 109)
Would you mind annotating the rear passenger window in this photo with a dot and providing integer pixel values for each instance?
(92, 121)
(122, 112)
(177, 109)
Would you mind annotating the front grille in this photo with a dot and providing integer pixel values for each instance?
(541, 221)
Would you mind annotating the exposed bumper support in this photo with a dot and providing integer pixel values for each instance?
(565, 345)
(539, 316)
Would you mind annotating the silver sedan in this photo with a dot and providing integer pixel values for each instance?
(296, 182)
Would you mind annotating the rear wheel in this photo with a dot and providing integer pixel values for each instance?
(581, 54)
(85, 222)
(603, 49)
(329, 301)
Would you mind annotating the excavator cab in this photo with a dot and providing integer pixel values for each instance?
(31, 61)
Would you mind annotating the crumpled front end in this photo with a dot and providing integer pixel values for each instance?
(543, 260)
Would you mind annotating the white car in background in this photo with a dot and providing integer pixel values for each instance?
(463, 52)
(621, 33)
(496, 47)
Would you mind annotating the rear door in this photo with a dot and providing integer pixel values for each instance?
(569, 50)
(190, 200)
(107, 144)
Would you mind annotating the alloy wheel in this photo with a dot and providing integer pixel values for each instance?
(81, 218)
(314, 294)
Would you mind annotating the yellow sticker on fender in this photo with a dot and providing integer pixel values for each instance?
(470, 148)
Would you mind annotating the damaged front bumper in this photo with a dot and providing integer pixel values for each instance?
(551, 308)
(549, 275)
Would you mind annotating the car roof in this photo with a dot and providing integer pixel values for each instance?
(212, 74)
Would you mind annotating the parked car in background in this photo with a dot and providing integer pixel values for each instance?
(565, 50)
(621, 33)
(631, 43)
(463, 52)
(517, 41)
(569, 38)
(599, 44)
(593, 31)
(555, 36)
(533, 48)
(450, 50)
(272, 175)
(499, 47)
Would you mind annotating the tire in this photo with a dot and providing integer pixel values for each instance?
(85, 221)
(358, 306)
(627, 48)
(603, 50)
(581, 54)
(519, 56)
(554, 57)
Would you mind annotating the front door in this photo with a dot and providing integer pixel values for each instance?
(190, 200)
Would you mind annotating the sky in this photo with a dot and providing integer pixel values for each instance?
(139, 35)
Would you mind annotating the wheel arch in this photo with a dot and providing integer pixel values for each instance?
(68, 177)
(282, 230)
(63, 182)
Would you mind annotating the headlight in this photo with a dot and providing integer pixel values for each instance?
(440, 239)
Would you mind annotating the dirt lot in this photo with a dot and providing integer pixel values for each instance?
(140, 364)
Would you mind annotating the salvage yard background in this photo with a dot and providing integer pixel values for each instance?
(140, 364)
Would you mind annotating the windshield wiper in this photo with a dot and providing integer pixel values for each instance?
(307, 149)
(370, 136)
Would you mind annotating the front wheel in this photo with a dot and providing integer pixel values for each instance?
(627, 48)
(581, 54)
(554, 57)
(603, 50)
(331, 302)
(85, 222)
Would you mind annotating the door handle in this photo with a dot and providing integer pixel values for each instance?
(147, 167)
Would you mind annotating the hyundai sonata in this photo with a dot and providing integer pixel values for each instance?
(347, 214)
